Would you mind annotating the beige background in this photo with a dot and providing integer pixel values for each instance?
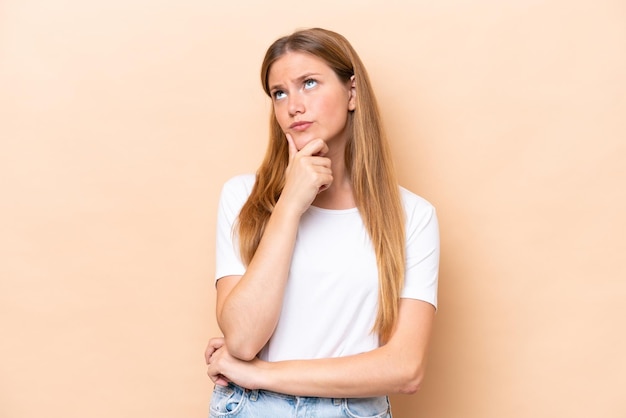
(120, 120)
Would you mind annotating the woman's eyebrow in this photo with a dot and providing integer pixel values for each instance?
(295, 80)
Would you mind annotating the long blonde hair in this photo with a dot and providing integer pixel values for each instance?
(368, 161)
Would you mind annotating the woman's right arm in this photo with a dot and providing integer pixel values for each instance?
(248, 306)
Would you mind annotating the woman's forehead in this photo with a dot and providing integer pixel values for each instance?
(294, 62)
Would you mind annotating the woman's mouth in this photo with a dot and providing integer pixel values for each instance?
(300, 126)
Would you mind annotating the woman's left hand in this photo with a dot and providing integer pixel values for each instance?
(214, 345)
(224, 368)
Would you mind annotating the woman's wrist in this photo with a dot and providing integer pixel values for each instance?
(263, 375)
(287, 210)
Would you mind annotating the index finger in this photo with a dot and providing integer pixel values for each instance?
(292, 147)
(212, 346)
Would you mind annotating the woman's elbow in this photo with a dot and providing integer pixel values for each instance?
(411, 381)
(241, 350)
(240, 346)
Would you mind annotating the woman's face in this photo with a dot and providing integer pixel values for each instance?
(309, 100)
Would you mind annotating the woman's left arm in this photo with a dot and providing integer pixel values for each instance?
(396, 367)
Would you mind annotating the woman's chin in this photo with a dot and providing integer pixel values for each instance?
(302, 140)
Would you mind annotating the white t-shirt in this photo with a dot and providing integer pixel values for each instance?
(331, 298)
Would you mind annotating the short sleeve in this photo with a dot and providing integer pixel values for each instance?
(234, 194)
(422, 250)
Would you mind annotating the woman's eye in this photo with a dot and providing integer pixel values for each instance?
(279, 94)
(310, 83)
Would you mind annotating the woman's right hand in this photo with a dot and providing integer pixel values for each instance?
(308, 173)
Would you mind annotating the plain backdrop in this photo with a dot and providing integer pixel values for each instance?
(121, 119)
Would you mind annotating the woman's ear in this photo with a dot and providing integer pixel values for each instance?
(352, 94)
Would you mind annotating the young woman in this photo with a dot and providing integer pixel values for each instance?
(326, 269)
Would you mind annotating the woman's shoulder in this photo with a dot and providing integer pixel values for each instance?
(417, 208)
(238, 187)
(245, 181)
(413, 200)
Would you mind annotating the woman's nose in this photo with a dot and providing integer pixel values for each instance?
(296, 104)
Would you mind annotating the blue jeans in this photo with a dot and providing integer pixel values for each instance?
(234, 401)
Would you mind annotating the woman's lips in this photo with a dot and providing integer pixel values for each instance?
(300, 126)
